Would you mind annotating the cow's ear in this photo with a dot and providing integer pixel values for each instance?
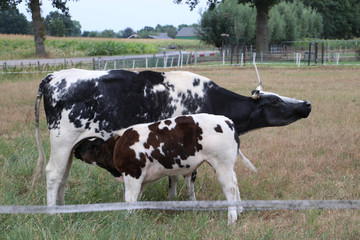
(255, 94)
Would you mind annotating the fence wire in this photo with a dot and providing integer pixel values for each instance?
(251, 205)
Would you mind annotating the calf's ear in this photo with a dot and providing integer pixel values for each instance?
(255, 94)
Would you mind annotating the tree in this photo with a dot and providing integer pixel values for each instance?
(108, 33)
(38, 25)
(128, 32)
(289, 21)
(169, 29)
(341, 18)
(262, 16)
(11, 21)
(58, 24)
(228, 23)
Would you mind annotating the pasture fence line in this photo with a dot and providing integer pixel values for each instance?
(287, 54)
(248, 205)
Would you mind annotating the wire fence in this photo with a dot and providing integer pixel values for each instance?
(307, 53)
(256, 205)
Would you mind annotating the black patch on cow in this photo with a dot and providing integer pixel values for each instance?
(191, 103)
(218, 129)
(114, 101)
(193, 176)
(196, 82)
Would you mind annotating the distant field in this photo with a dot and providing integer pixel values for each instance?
(23, 46)
(315, 158)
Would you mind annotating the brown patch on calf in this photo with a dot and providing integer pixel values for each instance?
(125, 160)
(218, 129)
(179, 142)
(170, 146)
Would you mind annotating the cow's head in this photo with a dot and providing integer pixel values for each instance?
(274, 110)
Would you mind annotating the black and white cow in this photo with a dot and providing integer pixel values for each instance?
(146, 152)
(81, 104)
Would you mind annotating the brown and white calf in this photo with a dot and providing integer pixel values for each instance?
(176, 146)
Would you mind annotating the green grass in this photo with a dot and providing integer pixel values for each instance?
(23, 46)
(314, 158)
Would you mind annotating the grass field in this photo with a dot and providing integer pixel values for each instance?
(23, 46)
(315, 158)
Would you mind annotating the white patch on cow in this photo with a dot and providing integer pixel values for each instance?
(75, 75)
(71, 76)
(285, 99)
(183, 82)
(163, 125)
(161, 149)
(159, 88)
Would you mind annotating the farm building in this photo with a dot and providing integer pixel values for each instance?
(160, 36)
(186, 33)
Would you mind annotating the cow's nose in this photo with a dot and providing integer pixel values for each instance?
(308, 104)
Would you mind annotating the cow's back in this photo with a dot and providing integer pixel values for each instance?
(100, 102)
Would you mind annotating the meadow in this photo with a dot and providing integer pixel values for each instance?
(316, 158)
(23, 46)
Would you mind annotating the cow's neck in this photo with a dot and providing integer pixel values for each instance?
(234, 106)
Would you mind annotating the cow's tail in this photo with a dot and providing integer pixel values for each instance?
(38, 171)
(247, 162)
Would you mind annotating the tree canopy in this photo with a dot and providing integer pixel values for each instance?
(341, 18)
(58, 24)
(11, 21)
(287, 22)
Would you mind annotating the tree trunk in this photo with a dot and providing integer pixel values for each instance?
(262, 31)
(39, 28)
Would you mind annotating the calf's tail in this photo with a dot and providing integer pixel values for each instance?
(38, 171)
(247, 162)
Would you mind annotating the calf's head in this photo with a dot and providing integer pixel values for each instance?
(271, 109)
(98, 152)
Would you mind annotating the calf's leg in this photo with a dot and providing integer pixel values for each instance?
(228, 181)
(132, 188)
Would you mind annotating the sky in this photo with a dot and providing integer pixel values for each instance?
(95, 15)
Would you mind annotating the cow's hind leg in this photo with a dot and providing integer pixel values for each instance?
(56, 173)
(61, 191)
